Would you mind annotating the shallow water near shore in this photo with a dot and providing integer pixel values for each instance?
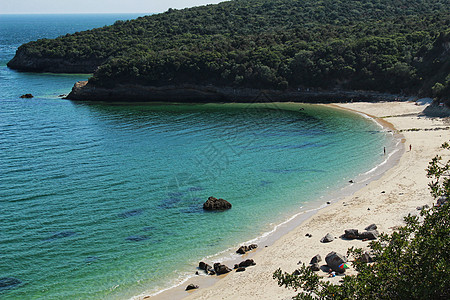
(105, 201)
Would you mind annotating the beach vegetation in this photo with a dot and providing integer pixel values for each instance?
(411, 263)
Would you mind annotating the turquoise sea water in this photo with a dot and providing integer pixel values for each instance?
(102, 201)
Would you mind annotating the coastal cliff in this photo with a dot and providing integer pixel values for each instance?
(83, 90)
(23, 61)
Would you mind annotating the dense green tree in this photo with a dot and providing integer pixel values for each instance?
(382, 45)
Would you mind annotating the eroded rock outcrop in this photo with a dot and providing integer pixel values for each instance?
(244, 249)
(216, 204)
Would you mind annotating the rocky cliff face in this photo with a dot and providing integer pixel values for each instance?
(202, 94)
(24, 62)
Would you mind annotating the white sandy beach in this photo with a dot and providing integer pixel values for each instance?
(384, 202)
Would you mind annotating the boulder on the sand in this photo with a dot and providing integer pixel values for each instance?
(244, 249)
(191, 287)
(204, 266)
(351, 234)
(328, 238)
(367, 257)
(315, 267)
(247, 263)
(370, 235)
(296, 272)
(371, 227)
(316, 259)
(216, 204)
(27, 96)
(334, 260)
(221, 269)
(240, 269)
(421, 207)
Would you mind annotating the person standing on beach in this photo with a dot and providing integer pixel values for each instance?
(410, 147)
(384, 150)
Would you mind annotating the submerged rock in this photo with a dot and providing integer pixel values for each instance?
(216, 204)
(131, 213)
(137, 238)
(60, 235)
(9, 283)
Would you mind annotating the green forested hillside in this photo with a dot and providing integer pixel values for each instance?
(381, 45)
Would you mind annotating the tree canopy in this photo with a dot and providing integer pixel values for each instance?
(382, 45)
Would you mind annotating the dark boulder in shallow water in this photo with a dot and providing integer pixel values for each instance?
(9, 283)
(216, 204)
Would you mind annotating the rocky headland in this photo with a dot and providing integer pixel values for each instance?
(23, 61)
(83, 90)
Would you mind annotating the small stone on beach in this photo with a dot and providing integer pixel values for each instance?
(191, 287)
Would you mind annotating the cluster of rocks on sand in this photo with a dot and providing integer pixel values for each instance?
(220, 269)
(334, 260)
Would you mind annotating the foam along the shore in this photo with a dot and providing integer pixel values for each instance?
(384, 201)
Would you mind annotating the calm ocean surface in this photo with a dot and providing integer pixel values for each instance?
(105, 201)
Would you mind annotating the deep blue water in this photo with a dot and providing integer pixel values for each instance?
(105, 201)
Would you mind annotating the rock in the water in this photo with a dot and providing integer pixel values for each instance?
(328, 238)
(334, 260)
(221, 269)
(9, 283)
(216, 204)
(244, 249)
(205, 267)
(191, 287)
(371, 227)
(351, 234)
(316, 259)
(27, 96)
(247, 263)
(314, 267)
(370, 235)
(240, 269)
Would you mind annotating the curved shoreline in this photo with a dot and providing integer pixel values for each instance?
(396, 194)
(268, 239)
